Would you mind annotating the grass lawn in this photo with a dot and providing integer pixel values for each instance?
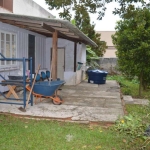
(23, 134)
(126, 134)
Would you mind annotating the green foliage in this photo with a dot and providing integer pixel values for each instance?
(81, 19)
(68, 6)
(129, 86)
(134, 125)
(127, 6)
(91, 54)
(132, 40)
(93, 6)
(83, 23)
(91, 57)
(73, 22)
(131, 125)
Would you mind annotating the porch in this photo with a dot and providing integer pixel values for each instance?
(83, 103)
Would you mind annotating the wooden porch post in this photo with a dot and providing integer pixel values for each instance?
(75, 56)
(54, 55)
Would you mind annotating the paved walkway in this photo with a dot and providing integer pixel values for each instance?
(85, 102)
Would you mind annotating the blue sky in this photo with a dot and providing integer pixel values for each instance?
(106, 24)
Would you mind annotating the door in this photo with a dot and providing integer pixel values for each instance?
(31, 51)
(60, 63)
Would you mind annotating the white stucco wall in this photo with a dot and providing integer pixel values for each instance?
(29, 7)
(81, 54)
(71, 77)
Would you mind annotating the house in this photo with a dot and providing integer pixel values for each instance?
(44, 40)
(23, 7)
(106, 36)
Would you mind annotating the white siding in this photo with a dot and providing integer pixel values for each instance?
(42, 50)
(22, 45)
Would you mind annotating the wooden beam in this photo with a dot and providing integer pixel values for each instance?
(54, 55)
(28, 24)
(40, 32)
(47, 27)
(30, 20)
(40, 29)
(54, 24)
(75, 56)
(73, 36)
(61, 29)
(68, 33)
(7, 21)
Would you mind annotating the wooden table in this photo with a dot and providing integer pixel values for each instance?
(12, 86)
(12, 91)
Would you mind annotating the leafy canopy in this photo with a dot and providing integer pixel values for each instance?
(81, 20)
(132, 40)
(92, 6)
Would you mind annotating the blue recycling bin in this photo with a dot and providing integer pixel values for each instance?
(97, 76)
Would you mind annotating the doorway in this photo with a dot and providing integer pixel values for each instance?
(60, 63)
(31, 51)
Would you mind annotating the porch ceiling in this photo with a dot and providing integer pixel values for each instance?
(46, 26)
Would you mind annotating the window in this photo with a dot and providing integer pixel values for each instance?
(8, 47)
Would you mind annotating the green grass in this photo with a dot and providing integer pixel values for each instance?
(23, 134)
(130, 87)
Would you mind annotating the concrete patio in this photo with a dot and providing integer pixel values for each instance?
(84, 102)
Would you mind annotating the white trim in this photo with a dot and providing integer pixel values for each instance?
(10, 33)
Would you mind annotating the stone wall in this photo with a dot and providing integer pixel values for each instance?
(109, 65)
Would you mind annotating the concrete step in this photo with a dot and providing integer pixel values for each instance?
(84, 93)
(128, 99)
(92, 102)
(141, 101)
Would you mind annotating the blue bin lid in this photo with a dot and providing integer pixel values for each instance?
(97, 71)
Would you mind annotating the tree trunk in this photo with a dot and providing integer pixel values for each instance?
(140, 85)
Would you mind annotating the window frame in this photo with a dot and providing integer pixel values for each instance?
(11, 43)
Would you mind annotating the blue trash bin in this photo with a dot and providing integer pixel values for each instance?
(97, 76)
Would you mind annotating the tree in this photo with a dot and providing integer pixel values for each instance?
(132, 40)
(82, 20)
(92, 6)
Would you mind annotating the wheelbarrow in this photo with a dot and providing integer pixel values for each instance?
(47, 89)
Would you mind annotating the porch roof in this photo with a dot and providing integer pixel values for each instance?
(46, 26)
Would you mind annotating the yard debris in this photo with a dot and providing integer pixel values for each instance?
(69, 137)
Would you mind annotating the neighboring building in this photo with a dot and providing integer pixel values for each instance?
(23, 7)
(106, 36)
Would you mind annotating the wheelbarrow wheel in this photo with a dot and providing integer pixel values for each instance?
(57, 98)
